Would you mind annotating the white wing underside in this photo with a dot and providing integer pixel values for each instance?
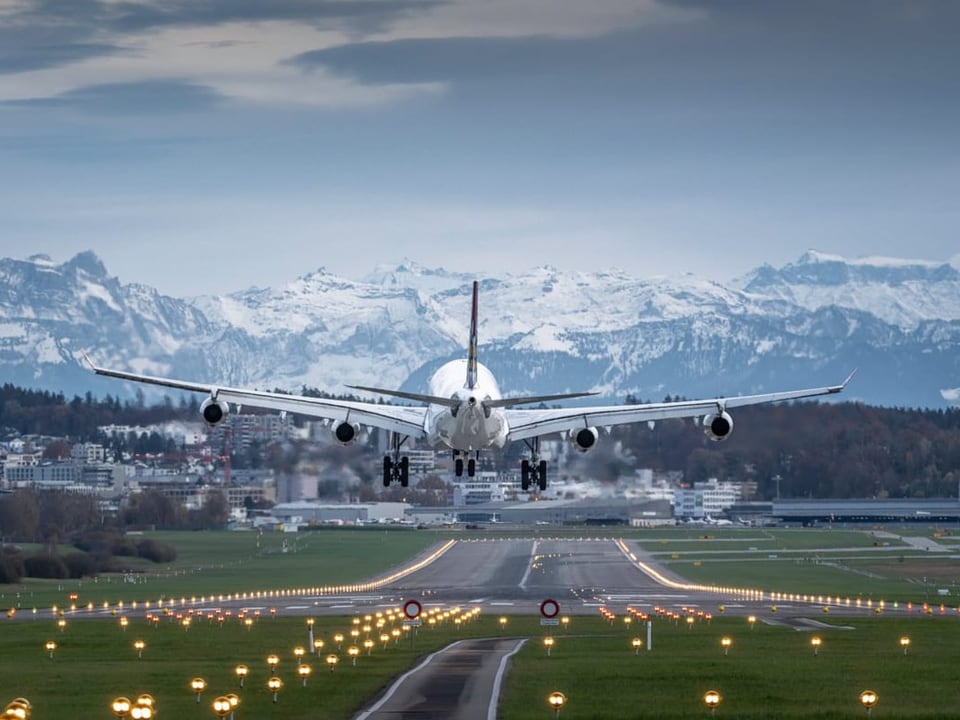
(525, 424)
(396, 418)
(522, 423)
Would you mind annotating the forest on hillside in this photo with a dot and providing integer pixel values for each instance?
(804, 449)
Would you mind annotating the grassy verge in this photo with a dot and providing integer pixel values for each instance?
(226, 562)
(770, 671)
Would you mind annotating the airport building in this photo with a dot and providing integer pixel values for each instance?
(706, 499)
(310, 513)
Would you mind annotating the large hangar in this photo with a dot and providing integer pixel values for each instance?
(818, 512)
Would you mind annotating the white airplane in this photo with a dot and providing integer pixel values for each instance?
(464, 411)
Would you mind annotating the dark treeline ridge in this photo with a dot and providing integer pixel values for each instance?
(806, 449)
(824, 450)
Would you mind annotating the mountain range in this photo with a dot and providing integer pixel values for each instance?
(808, 323)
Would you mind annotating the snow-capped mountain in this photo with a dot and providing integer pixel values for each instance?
(545, 330)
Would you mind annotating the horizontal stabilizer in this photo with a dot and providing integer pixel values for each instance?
(416, 397)
(510, 402)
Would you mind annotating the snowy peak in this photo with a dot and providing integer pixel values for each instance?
(542, 330)
(902, 292)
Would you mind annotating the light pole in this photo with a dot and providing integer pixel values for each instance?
(637, 643)
(299, 651)
(712, 698)
(317, 646)
(221, 707)
(198, 685)
(368, 645)
(556, 700)
(304, 671)
(144, 707)
(905, 644)
(120, 707)
(139, 646)
(503, 622)
(353, 651)
(868, 698)
(241, 671)
(51, 646)
(18, 708)
(815, 643)
(275, 685)
(725, 643)
(338, 639)
(752, 620)
(332, 661)
(234, 700)
(548, 644)
(272, 662)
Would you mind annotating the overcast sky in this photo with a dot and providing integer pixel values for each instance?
(211, 145)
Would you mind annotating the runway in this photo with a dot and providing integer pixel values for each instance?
(516, 575)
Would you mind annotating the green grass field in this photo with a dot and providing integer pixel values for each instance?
(211, 563)
(769, 673)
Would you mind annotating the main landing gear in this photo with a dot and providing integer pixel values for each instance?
(471, 464)
(395, 466)
(533, 470)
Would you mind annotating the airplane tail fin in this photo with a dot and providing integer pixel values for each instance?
(472, 350)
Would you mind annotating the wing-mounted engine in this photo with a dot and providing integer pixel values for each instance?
(346, 433)
(214, 411)
(585, 438)
(718, 426)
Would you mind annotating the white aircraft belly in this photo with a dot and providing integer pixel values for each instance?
(470, 430)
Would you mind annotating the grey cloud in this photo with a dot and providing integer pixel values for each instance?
(21, 54)
(153, 97)
(50, 33)
(464, 58)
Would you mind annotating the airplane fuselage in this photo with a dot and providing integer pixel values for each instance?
(468, 426)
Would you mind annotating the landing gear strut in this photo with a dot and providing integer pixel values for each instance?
(471, 464)
(395, 466)
(533, 470)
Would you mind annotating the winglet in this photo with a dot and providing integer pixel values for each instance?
(472, 350)
(87, 360)
(841, 386)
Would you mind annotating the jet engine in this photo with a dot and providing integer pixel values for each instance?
(346, 433)
(718, 426)
(214, 411)
(585, 438)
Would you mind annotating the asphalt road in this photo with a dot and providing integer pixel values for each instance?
(460, 682)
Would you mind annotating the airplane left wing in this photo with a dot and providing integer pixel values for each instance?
(525, 424)
(404, 420)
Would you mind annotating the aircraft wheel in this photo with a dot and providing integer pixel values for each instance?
(387, 471)
(524, 475)
(458, 467)
(471, 467)
(542, 475)
(404, 471)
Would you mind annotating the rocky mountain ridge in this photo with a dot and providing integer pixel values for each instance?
(544, 330)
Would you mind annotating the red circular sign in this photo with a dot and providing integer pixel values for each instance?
(549, 608)
(412, 608)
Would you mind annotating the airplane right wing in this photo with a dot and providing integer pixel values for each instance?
(528, 423)
(395, 418)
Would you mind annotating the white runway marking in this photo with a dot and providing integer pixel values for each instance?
(526, 575)
(498, 681)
